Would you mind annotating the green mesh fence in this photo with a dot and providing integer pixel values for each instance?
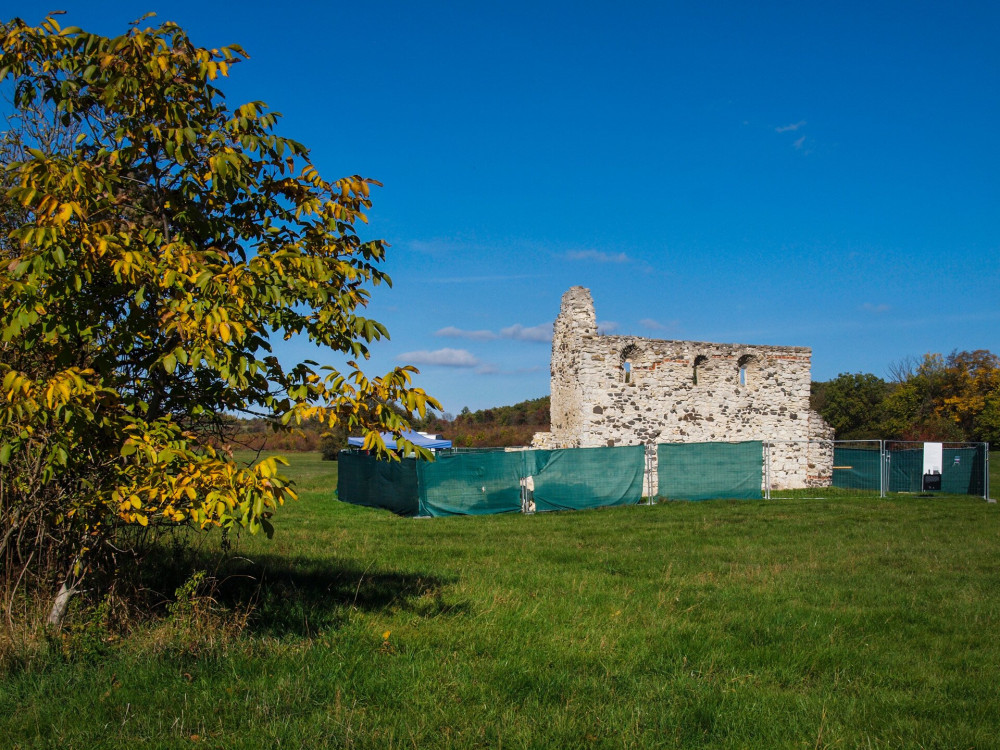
(471, 483)
(962, 472)
(857, 469)
(482, 482)
(704, 471)
(906, 469)
(589, 477)
(364, 480)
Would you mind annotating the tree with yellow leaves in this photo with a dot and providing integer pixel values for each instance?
(151, 249)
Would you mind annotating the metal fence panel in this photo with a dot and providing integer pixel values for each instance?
(704, 471)
(579, 478)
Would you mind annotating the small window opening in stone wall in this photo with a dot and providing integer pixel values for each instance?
(745, 366)
(699, 361)
(628, 354)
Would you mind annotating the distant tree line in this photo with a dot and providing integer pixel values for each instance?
(942, 398)
(496, 427)
(499, 426)
(947, 398)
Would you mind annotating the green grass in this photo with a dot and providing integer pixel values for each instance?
(783, 623)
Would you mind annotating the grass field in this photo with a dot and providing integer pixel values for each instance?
(782, 623)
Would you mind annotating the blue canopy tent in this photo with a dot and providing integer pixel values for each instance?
(414, 437)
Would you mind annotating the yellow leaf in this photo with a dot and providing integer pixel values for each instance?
(65, 213)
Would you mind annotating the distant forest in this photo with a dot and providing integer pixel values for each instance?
(946, 398)
(940, 398)
(497, 427)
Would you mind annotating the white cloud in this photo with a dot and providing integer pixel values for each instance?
(442, 357)
(434, 247)
(518, 332)
(800, 142)
(793, 127)
(873, 308)
(607, 326)
(542, 332)
(489, 368)
(652, 324)
(458, 333)
(478, 279)
(597, 256)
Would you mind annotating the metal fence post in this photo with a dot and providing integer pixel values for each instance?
(651, 461)
(882, 460)
(767, 470)
(986, 472)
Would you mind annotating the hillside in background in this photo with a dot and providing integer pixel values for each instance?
(499, 427)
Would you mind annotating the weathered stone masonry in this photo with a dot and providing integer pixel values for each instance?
(624, 390)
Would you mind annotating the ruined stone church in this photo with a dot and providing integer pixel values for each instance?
(624, 390)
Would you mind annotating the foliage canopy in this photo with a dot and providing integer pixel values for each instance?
(942, 398)
(155, 242)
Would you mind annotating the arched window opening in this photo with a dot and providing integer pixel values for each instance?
(699, 361)
(629, 353)
(744, 366)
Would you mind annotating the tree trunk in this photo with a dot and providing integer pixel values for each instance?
(58, 612)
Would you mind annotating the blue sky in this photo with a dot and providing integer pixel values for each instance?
(762, 173)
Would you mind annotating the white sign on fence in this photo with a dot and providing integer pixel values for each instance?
(933, 460)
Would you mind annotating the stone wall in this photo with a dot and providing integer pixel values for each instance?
(625, 390)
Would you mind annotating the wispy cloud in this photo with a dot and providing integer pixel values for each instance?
(432, 247)
(607, 326)
(518, 332)
(799, 143)
(597, 256)
(793, 127)
(489, 368)
(441, 357)
(541, 333)
(655, 325)
(873, 308)
(477, 279)
(458, 333)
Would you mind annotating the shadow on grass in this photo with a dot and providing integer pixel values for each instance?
(283, 596)
(302, 597)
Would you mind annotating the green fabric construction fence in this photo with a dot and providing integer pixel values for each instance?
(706, 471)
(363, 480)
(486, 482)
(858, 468)
(962, 471)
